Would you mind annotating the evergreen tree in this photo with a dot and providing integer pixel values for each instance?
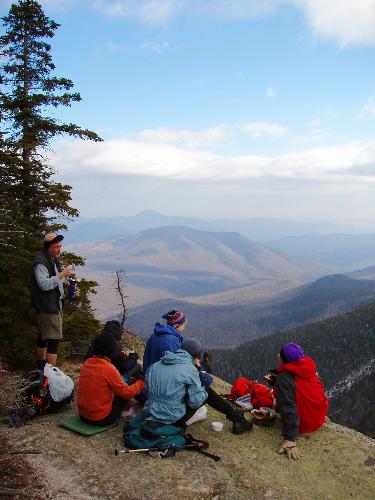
(31, 202)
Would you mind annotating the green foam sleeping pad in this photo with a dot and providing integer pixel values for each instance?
(77, 425)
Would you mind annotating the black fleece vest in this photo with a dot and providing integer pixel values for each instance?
(45, 301)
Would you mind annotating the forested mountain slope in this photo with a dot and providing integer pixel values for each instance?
(230, 325)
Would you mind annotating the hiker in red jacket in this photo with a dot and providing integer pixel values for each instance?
(300, 397)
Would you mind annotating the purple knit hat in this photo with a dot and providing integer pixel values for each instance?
(175, 318)
(291, 352)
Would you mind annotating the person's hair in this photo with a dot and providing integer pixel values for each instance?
(104, 345)
(282, 356)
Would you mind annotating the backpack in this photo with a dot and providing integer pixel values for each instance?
(140, 433)
(167, 439)
(36, 399)
(38, 393)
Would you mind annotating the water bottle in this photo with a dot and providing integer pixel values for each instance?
(72, 286)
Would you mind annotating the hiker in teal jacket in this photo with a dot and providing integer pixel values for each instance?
(171, 382)
(176, 390)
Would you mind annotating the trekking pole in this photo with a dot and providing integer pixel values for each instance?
(140, 450)
(146, 450)
(197, 446)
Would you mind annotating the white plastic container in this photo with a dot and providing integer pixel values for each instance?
(217, 426)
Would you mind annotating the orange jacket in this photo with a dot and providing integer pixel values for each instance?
(99, 382)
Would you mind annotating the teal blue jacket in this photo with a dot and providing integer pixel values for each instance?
(171, 384)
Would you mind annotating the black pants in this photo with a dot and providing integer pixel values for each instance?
(217, 403)
(115, 413)
(51, 344)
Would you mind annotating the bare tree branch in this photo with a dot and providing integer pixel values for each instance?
(120, 287)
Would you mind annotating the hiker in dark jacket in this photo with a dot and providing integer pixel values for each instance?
(126, 364)
(47, 292)
(300, 397)
(165, 338)
(175, 390)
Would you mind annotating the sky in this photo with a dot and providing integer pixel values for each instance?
(219, 108)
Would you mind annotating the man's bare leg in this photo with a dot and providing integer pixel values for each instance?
(51, 358)
(41, 353)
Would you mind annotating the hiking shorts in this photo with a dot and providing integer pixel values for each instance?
(50, 326)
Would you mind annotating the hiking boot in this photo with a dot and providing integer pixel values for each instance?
(242, 425)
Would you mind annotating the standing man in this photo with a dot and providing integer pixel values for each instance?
(47, 292)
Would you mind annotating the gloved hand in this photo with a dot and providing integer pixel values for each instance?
(291, 449)
(206, 378)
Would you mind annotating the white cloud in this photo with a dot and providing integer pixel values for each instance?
(368, 109)
(157, 45)
(348, 21)
(113, 47)
(193, 139)
(190, 139)
(257, 130)
(271, 92)
(315, 133)
(148, 156)
(149, 11)
(314, 124)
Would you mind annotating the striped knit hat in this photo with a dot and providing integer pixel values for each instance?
(175, 318)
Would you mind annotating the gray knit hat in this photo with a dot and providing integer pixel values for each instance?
(193, 347)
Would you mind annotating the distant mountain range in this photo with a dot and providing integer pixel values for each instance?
(343, 252)
(365, 273)
(231, 325)
(337, 247)
(257, 229)
(181, 262)
(344, 349)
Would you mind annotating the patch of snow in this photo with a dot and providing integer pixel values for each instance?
(346, 383)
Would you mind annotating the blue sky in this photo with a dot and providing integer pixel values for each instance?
(246, 107)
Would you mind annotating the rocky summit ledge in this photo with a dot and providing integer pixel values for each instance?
(337, 463)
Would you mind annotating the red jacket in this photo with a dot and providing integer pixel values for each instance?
(99, 381)
(261, 396)
(309, 399)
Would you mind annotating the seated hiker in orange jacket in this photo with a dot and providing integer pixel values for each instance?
(300, 397)
(102, 393)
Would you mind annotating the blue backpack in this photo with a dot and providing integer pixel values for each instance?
(140, 433)
(148, 435)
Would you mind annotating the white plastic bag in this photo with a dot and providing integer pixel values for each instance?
(200, 414)
(60, 385)
(245, 402)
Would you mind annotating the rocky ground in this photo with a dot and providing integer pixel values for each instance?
(337, 463)
(42, 460)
